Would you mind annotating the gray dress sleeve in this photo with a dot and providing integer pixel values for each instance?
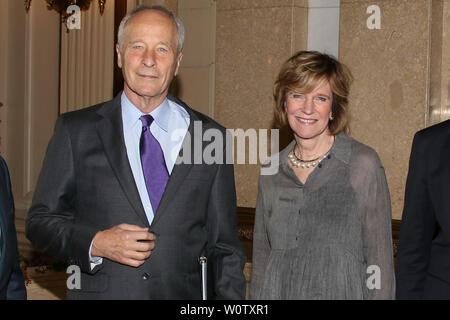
(261, 246)
(377, 234)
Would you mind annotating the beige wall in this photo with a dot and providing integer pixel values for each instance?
(169, 4)
(253, 39)
(195, 81)
(393, 67)
(3, 71)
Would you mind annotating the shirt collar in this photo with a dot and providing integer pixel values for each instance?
(131, 114)
(342, 147)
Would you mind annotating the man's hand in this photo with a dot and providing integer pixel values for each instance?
(125, 243)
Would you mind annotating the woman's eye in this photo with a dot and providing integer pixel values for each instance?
(297, 96)
(322, 99)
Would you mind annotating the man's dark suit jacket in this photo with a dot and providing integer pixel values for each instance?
(423, 256)
(12, 284)
(86, 185)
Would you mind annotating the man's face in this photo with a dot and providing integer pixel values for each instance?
(149, 58)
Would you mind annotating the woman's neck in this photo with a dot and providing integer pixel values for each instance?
(308, 149)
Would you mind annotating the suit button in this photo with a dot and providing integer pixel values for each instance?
(145, 276)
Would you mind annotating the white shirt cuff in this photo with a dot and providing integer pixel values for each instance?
(94, 261)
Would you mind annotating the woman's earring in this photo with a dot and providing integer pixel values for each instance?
(331, 117)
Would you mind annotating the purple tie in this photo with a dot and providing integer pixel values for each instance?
(153, 163)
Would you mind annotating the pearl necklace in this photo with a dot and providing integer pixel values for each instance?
(305, 164)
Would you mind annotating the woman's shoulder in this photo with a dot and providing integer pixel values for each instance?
(433, 137)
(434, 131)
(363, 155)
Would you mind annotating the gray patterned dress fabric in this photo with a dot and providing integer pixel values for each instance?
(316, 240)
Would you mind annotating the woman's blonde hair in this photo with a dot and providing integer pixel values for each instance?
(302, 73)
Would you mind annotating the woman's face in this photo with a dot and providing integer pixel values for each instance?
(308, 113)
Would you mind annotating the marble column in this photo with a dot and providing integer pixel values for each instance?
(323, 26)
(439, 109)
(446, 61)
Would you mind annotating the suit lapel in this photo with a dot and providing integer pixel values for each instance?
(180, 170)
(110, 130)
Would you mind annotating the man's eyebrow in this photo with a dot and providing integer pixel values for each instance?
(140, 40)
(164, 43)
(134, 41)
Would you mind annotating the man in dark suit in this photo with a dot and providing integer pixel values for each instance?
(12, 284)
(423, 255)
(114, 198)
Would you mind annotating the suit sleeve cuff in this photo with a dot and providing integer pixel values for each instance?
(82, 249)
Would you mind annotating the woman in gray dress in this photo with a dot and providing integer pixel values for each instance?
(323, 222)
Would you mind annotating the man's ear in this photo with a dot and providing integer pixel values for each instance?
(119, 56)
(180, 56)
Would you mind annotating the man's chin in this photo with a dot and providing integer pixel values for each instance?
(146, 93)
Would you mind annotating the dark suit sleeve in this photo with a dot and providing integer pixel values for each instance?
(224, 249)
(418, 227)
(51, 224)
(16, 284)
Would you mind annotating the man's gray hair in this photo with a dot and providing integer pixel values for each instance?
(167, 12)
